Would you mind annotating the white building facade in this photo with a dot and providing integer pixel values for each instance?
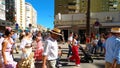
(20, 13)
(2, 9)
(31, 15)
(34, 17)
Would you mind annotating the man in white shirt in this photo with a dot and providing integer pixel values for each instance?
(94, 45)
(50, 53)
(70, 38)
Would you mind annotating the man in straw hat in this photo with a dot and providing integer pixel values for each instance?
(116, 61)
(50, 53)
(110, 47)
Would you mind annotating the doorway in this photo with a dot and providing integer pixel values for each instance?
(65, 32)
(82, 37)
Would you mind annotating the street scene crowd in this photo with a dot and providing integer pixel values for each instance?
(36, 46)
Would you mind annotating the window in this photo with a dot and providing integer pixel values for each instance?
(27, 8)
(59, 5)
(71, 10)
(72, 3)
(3, 2)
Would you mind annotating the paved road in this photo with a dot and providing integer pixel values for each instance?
(98, 62)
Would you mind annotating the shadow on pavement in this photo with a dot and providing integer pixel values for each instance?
(67, 65)
(100, 65)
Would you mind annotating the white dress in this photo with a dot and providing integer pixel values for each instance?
(28, 55)
(8, 55)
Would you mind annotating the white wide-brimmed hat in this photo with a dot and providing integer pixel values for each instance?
(115, 30)
(56, 31)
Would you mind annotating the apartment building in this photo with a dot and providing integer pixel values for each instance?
(80, 6)
(70, 15)
(31, 15)
(20, 13)
(2, 9)
(10, 15)
(67, 6)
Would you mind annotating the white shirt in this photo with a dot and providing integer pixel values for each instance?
(70, 38)
(95, 41)
(1, 40)
(75, 42)
(25, 42)
(51, 49)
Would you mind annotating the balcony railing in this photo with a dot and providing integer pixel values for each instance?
(72, 7)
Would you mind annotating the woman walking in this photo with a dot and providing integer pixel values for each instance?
(75, 49)
(27, 60)
(6, 56)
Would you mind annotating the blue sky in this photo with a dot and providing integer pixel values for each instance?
(45, 12)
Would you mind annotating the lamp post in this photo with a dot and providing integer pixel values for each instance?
(88, 19)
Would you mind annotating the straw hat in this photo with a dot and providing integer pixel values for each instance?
(56, 31)
(115, 30)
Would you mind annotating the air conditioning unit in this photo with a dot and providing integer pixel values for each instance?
(108, 18)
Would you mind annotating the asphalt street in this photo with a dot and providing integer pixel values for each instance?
(97, 63)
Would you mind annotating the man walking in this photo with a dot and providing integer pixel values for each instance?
(70, 38)
(116, 61)
(110, 47)
(50, 53)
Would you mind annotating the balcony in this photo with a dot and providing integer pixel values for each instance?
(72, 7)
(72, 3)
